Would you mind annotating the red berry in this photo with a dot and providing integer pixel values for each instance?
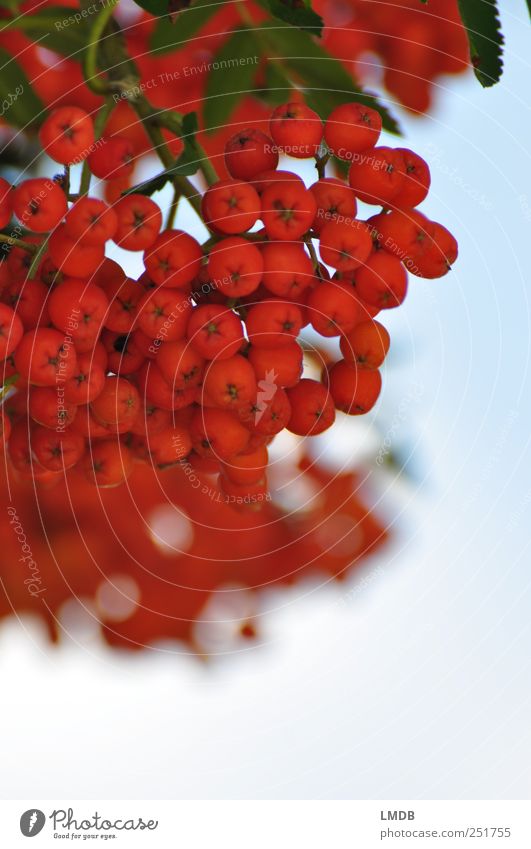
(351, 128)
(174, 259)
(231, 206)
(273, 323)
(67, 135)
(139, 222)
(235, 267)
(44, 357)
(112, 158)
(366, 345)
(249, 152)
(377, 176)
(312, 408)
(296, 129)
(91, 221)
(214, 332)
(335, 200)
(355, 391)
(288, 210)
(345, 245)
(39, 204)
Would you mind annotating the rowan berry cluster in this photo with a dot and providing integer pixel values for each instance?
(198, 361)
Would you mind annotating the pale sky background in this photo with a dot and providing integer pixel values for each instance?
(414, 683)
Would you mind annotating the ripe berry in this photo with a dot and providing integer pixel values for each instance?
(249, 152)
(273, 323)
(79, 310)
(312, 408)
(163, 314)
(74, 257)
(288, 210)
(112, 158)
(416, 182)
(218, 433)
(269, 413)
(296, 129)
(169, 446)
(44, 357)
(235, 267)
(117, 405)
(47, 408)
(139, 222)
(366, 345)
(39, 204)
(334, 200)
(351, 128)
(57, 451)
(345, 245)
(288, 270)
(91, 221)
(378, 175)
(87, 382)
(214, 332)
(355, 391)
(333, 309)
(230, 383)
(382, 282)
(180, 365)
(279, 366)
(231, 206)
(173, 259)
(67, 135)
(108, 463)
(439, 254)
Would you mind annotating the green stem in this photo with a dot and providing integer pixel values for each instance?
(148, 117)
(36, 261)
(172, 212)
(99, 125)
(17, 243)
(90, 59)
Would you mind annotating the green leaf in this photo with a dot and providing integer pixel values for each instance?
(302, 17)
(154, 7)
(167, 35)
(529, 7)
(277, 86)
(59, 28)
(482, 23)
(19, 105)
(326, 83)
(230, 77)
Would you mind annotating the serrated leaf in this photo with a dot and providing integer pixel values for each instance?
(231, 77)
(167, 35)
(59, 28)
(482, 23)
(325, 81)
(302, 17)
(19, 105)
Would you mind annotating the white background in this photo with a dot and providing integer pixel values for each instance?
(417, 685)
